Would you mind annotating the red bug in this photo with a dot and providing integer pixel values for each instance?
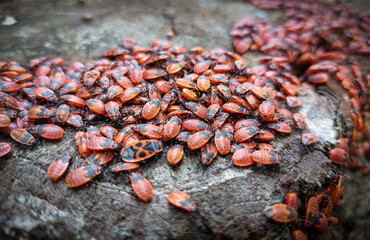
(74, 120)
(293, 101)
(48, 131)
(199, 139)
(141, 186)
(74, 100)
(281, 213)
(228, 130)
(153, 73)
(82, 175)
(243, 157)
(141, 150)
(9, 86)
(292, 200)
(308, 139)
(234, 108)
(219, 120)
(252, 101)
(203, 83)
(281, 127)
(129, 94)
(195, 125)
(266, 157)
(189, 94)
(38, 112)
(342, 143)
(175, 67)
(122, 80)
(96, 106)
(82, 147)
(112, 109)
(151, 109)
(246, 123)
(108, 131)
(99, 158)
(57, 168)
(124, 167)
(101, 144)
(224, 90)
(8, 100)
(312, 209)
(339, 156)
(319, 78)
(136, 73)
(182, 200)
(265, 146)
(245, 133)
(212, 110)
(175, 154)
(202, 66)
(149, 130)
(267, 110)
(183, 136)
(5, 148)
(4, 121)
(222, 142)
(62, 113)
(198, 109)
(321, 222)
(209, 153)
(153, 92)
(299, 121)
(10, 113)
(298, 235)
(90, 77)
(45, 93)
(172, 128)
(263, 92)
(336, 190)
(114, 91)
(22, 136)
(185, 83)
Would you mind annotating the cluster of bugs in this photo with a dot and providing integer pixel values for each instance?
(314, 44)
(203, 101)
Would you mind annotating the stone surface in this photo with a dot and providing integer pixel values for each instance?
(230, 200)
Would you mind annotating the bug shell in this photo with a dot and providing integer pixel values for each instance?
(124, 167)
(45, 93)
(199, 139)
(234, 108)
(219, 120)
(203, 83)
(74, 100)
(141, 186)
(321, 222)
(140, 150)
(5, 148)
(48, 131)
(57, 168)
(129, 94)
(243, 157)
(308, 139)
(339, 156)
(222, 142)
(4, 121)
(96, 106)
(82, 175)
(175, 154)
(90, 77)
(312, 209)
(182, 200)
(292, 200)
(38, 112)
(202, 66)
(172, 128)
(101, 144)
(281, 213)
(245, 133)
(22, 136)
(266, 157)
(209, 153)
(151, 109)
(112, 109)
